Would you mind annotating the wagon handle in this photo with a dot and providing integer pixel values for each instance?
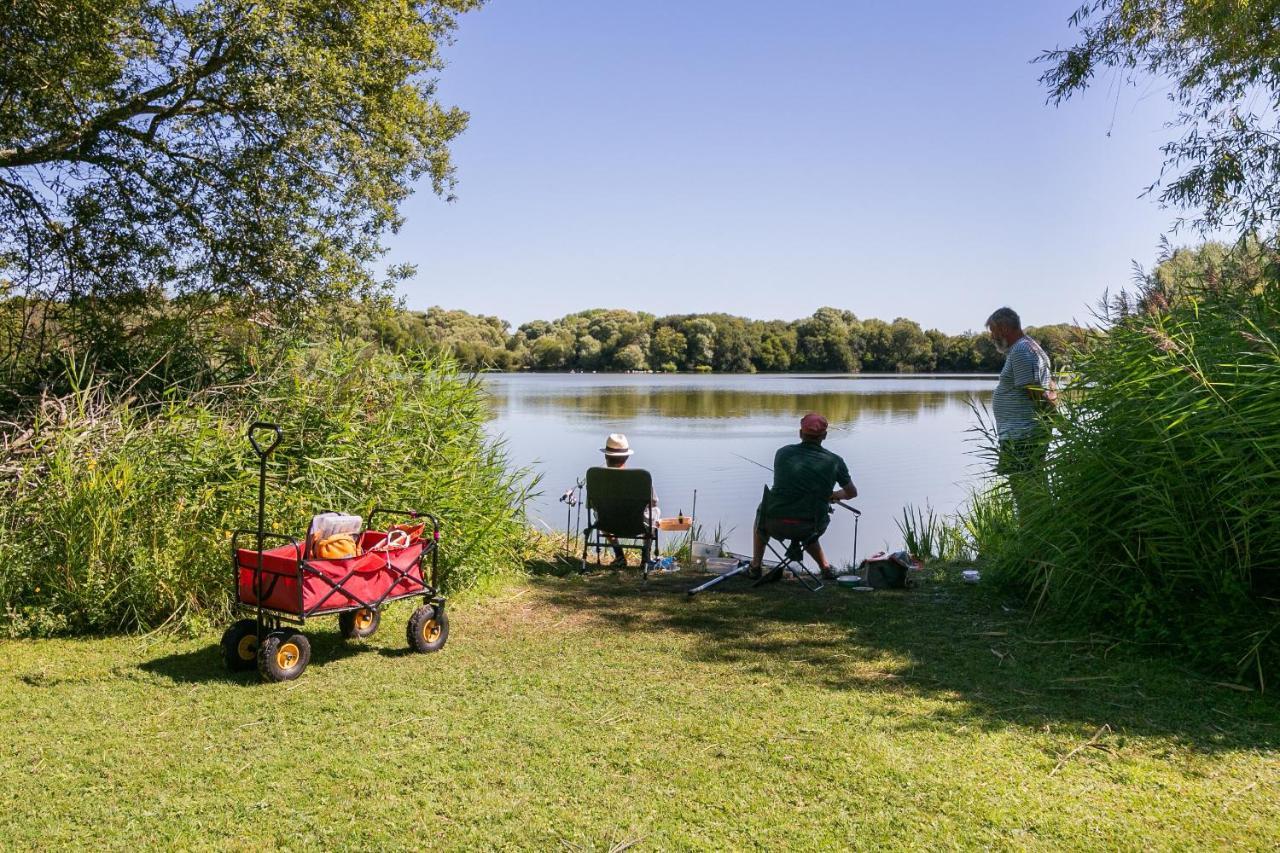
(261, 425)
(255, 427)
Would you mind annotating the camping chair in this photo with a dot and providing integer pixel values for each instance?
(619, 504)
(795, 534)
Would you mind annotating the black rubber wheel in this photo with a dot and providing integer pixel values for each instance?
(358, 624)
(428, 628)
(240, 646)
(283, 655)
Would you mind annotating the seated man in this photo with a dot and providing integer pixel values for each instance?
(617, 450)
(800, 499)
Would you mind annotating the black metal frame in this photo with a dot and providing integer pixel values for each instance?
(269, 618)
(792, 560)
(648, 555)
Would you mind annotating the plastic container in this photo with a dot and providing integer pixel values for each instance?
(720, 565)
(703, 550)
(971, 576)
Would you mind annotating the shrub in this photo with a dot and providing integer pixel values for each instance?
(118, 517)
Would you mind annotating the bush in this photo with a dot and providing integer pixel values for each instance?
(1165, 485)
(118, 517)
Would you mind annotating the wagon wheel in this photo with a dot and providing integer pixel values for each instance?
(428, 628)
(283, 655)
(358, 624)
(240, 646)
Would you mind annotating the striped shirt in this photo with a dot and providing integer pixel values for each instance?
(1016, 414)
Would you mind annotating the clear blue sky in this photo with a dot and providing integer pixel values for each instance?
(768, 158)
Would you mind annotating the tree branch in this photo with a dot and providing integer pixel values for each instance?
(70, 147)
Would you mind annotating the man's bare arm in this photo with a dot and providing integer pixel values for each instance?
(847, 493)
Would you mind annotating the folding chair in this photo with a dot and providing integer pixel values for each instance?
(619, 504)
(795, 534)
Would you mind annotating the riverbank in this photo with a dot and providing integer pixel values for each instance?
(596, 712)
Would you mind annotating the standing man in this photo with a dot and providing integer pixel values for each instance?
(1023, 396)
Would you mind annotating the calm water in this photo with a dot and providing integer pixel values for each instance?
(906, 440)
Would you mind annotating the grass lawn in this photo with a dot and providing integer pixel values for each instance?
(596, 713)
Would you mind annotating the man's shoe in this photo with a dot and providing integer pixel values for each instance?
(772, 576)
(753, 572)
(618, 563)
(828, 573)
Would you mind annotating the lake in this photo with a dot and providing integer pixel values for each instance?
(906, 441)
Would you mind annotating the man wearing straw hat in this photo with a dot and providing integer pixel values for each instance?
(617, 450)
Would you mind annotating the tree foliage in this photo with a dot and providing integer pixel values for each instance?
(1223, 58)
(222, 151)
(831, 340)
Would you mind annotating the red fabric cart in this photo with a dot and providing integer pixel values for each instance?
(281, 585)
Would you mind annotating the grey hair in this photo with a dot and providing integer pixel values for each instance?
(1004, 317)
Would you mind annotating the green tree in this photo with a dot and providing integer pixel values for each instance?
(911, 349)
(549, 352)
(877, 355)
(587, 353)
(736, 340)
(245, 151)
(1221, 57)
(826, 340)
(630, 357)
(777, 350)
(667, 347)
(700, 332)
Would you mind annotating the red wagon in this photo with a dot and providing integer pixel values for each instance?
(284, 586)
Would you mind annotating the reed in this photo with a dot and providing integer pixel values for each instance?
(118, 517)
(929, 535)
(1161, 521)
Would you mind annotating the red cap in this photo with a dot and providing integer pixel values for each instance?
(813, 425)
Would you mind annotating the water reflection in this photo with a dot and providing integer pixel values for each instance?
(904, 439)
(718, 403)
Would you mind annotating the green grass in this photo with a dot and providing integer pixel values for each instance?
(571, 713)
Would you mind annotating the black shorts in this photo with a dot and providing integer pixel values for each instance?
(1022, 455)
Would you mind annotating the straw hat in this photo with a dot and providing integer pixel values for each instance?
(617, 446)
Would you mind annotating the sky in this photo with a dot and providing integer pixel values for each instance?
(766, 159)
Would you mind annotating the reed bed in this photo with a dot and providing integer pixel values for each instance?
(117, 516)
(1162, 521)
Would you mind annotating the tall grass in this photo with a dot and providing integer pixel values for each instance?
(1163, 517)
(116, 517)
(929, 535)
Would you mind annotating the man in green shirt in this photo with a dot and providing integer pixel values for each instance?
(801, 497)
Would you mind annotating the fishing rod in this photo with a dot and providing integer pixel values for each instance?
(851, 509)
(571, 498)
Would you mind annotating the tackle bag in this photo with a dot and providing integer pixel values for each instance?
(333, 536)
(889, 571)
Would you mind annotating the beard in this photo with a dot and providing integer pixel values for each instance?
(1001, 346)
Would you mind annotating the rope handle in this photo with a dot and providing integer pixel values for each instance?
(394, 540)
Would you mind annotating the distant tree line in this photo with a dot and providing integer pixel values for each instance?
(831, 340)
